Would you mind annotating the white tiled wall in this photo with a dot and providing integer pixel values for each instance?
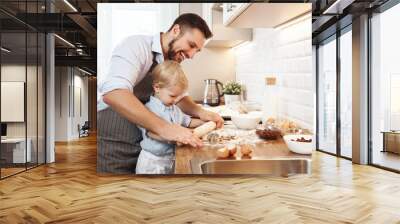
(286, 54)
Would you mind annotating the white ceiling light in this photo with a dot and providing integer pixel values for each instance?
(242, 44)
(65, 41)
(337, 7)
(70, 5)
(5, 50)
(84, 71)
(293, 21)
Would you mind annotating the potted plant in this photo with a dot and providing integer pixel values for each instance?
(232, 91)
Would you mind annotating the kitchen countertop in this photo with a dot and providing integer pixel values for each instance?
(271, 149)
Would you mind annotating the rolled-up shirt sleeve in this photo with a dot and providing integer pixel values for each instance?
(182, 118)
(186, 119)
(118, 75)
(125, 66)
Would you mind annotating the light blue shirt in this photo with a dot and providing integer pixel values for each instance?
(171, 114)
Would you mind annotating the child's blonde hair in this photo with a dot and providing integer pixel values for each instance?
(169, 73)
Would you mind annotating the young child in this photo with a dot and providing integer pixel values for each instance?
(169, 83)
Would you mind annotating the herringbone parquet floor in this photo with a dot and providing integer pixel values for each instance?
(70, 191)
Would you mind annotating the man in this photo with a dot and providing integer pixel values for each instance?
(128, 86)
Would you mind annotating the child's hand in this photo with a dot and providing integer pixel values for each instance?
(206, 115)
(177, 133)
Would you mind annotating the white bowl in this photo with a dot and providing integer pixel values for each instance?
(246, 121)
(252, 106)
(300, 147)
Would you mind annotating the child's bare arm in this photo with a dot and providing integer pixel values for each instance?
(195, 123)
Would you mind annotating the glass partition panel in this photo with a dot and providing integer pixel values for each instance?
(14, 153)
(22, 77)
(32, 86)
(41, 79)
(32, 97)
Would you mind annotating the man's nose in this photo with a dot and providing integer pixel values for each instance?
(191, 53)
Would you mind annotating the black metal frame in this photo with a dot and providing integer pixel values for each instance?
(25, 89)
(317, 96)
(338, 97)
(369, 101)
(45, 90)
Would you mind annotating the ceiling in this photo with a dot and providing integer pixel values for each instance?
(329, 16)
(77, 25)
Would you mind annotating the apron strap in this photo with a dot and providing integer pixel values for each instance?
(144, 89)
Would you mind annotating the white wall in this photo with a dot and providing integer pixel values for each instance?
(61, 103)
(285, 53)
(215, 63)
(67, 114)
(210, 63)
(16, 72)
(79, 117)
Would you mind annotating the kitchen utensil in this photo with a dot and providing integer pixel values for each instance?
(212, 92)
(270, 98)
(268, 133)
(247, 121)
(204, 129)
(213, 138)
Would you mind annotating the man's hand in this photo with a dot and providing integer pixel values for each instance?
(177, 133)
(188, 106)
(206, 115)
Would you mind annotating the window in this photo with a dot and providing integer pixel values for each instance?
(346, 93)
(327, 96)
(394, 102)
(385, 89)
(335, 74)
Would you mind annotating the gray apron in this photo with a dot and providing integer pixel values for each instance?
(118, 140)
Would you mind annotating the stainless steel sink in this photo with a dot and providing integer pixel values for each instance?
(274, 167)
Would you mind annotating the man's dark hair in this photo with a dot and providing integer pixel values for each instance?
(191, 20)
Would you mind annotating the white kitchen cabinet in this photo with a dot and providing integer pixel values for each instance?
(232, 10)
(262, 15)
(223, 37)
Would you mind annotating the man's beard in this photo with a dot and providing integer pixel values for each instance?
(171, 53)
